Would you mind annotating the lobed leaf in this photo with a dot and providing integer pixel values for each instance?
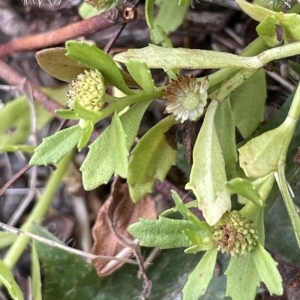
(53, 148)
(248, 104)
(226, 134)
(267, 270)
(242, 278)
(151, 159)
(100, 164)
(141, 74)
(261, 155)
(118, 147)
(97, 59)
(199, 279)
(245, 188)
(164, 233)
(156, 57)
(208, 176)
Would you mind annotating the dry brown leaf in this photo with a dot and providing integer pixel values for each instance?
(125, 212)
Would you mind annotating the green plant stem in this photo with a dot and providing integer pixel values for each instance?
(256, 47)
(126, 101)
(230, 85)
(39, 210)
(279, 52)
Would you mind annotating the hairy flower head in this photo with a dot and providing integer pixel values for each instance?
(88, 89)
(234, 234)
(186, 98)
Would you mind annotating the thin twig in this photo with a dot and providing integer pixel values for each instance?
(281, 80)
(112, 214)
(62, 246)
(113, 39)
(112, 17)
(14, 178)
(118, 31)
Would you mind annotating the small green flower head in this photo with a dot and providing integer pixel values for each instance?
(234, 234)
(88, 89)
(186, 98)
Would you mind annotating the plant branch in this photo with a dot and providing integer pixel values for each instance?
(31, 90)
(115, 16)
(126, 101)
(14, 178)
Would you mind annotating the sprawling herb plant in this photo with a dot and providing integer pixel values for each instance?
(232, 97)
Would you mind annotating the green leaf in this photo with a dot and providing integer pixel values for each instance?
(199, 279)
(15, 122)
(131, 121)
(295, 66)
(151, 159)
(267, 30)
(288, 201)
(86, 134)
(7, 278)
(267, 270)
(156, 57)
(242, 278)
(164, 232)
(248, 104)
(289, 22)
(99, 165)
(84, 113)
(245, 188)
(53, 148)
(168, 275)
(197, 244)
(141, 74)
(87, 11)
(149, 13)
(208, 176)
(36, 283)
(97, 59)
(67, 276)
(255, 11)
(226, 134)
(118, 146)
(291, 27)
(55, 62)
(6, 239)
(69, 114)
(186, 213)
(261, 155)
(165, 17)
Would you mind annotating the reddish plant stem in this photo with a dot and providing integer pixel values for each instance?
(115, 16)
(12, 77)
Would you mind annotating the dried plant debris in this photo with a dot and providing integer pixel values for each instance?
(125, 212)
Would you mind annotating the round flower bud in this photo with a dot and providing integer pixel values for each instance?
(186, 98)
(88, 89)
(234, 234)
